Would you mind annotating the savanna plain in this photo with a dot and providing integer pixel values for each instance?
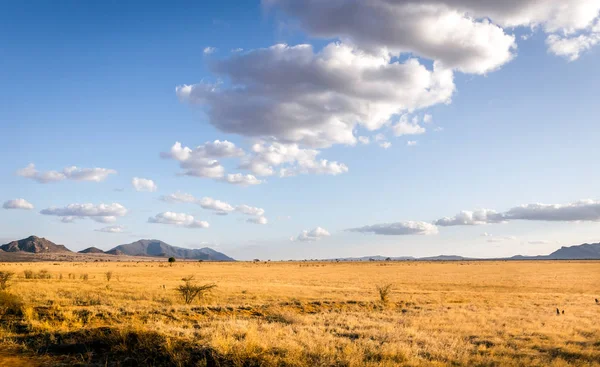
(464, 313)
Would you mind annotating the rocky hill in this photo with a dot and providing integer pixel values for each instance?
(91, 250)
(35, 245)
(160, 248)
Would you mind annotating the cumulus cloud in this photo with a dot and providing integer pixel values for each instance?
(242, 180)
(178, 219)
(406, 127)
(17, 204)
(209, 50)
(201, 162)
(398, 228)
(427, 118)
(111, 229)
(385, 144)
(102, 213)
(583, 210)
(143, 184)
(68, 173)
(291, 159)
(466, 35)
(364, 140)
(572, 47)
(313, 98)
(218, 206)
(312, 235)
(470, 218)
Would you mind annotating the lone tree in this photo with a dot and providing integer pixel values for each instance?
(189, 291)
(171, 260)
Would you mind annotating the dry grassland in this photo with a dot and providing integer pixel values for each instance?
(304, 314)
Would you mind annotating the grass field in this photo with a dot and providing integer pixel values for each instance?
(483, 313)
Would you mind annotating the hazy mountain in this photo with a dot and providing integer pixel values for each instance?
(160, 248)
(586, 251)
(91, 250)
(33, 244)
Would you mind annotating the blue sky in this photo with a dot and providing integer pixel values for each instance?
(513, 126)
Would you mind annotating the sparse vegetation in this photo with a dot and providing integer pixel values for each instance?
(190, 291)
(317, 314)
(384, 292)
(108, 275)
(5, 277)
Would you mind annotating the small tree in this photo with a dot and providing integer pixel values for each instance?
(5, 276)
(189, 291)
(171, 260)
(384, 292)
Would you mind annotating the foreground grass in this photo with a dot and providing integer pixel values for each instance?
(307, 314)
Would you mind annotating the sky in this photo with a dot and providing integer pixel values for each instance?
(305, 129)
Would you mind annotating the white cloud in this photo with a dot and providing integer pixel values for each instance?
(250, 210)
(312, 235)
(257, 220)
(17, 204)
(405, 127)
(68, 173)
(209, 50)
(102, 213)
(411, 143)
(312, 98)
(465, 35)
(427, 118)
(583, 210)
(179, 197)
(398, 228)
(143, 184)
(364, 140)
(200, 161)
(571, 47)
(293, 159)
(178, 219)
(219, 206)
(469, 218)
(111, 229)
(493, 239)
(242, 180)
(385, 144)
(539, 242)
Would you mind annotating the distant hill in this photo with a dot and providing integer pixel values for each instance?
(160, 248)
(34, 245)
(587, 251)
(91, 250)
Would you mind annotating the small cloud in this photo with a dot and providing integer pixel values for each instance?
(539, 242)
(111, 229)
(385, 145)
(312, 235)
(17, 204)
(411, 143)
(237, 49)
(437, 129)
(427, 118)
(209, 50)
(364, 140)
(143, 184)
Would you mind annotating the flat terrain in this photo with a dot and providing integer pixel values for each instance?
(472, 313)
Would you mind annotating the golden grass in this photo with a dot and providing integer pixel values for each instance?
(487, 313)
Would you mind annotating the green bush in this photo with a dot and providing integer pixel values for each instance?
(10, 304)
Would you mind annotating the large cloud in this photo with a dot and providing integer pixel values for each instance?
(583, 210)
(68, 173)
(178, 219)
(312, 235)
(102, 213)
(398, 228)
(317, 99)
(465, 218)
(17, 204)
(466, 35)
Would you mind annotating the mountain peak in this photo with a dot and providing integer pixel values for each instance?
(33, 244)
(159, 248)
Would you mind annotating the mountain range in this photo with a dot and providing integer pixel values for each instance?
(156, 248)
(147, 248)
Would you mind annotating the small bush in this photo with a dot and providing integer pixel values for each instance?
(384, 292)
(108, 275)
(189, 291)
(10, 304)
(5, 276)
(28, 274)
(171, 260)
(84, 276)
(44, 274)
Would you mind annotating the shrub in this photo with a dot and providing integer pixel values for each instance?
(189, 291)
(171, 260)
(108, 275)
(10, 304)
(5, 276)
(44, 274)
(384, 292)
(28, 274)
(84, 276)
